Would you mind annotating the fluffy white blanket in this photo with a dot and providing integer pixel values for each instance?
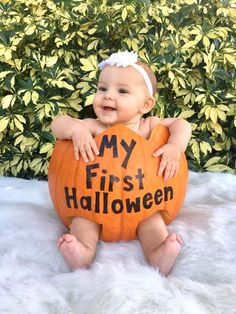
(34, 278)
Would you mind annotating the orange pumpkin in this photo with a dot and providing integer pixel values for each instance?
(120, 187)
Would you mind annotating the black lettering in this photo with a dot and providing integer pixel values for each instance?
(105, 200)
(133, 205)
(128, 150)
(130, 186)
(147, 200)
(117, 206)
(158, 197)
(140, 177)
(168, 191)
(97, 202)
(112, 180)
(85, 202)
(108, 144)
(103, 180)
(71, 197)
(90, 174)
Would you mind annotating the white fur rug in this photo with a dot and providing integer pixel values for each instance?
(34, 279)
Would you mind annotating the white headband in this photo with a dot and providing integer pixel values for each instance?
(124, 59)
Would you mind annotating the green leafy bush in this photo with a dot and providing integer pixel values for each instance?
(49, 52)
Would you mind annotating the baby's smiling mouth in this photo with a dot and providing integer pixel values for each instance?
(108, 108)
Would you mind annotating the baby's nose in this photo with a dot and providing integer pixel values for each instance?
(109, 95)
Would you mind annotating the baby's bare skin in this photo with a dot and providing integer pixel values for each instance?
(160, 254)
(75, 253)
(165, 255)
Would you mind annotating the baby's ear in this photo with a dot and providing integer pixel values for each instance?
(148, 104)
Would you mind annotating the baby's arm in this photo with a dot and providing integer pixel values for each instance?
(180, 134)
(80, 132)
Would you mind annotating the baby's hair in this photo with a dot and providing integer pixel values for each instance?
(150, 74)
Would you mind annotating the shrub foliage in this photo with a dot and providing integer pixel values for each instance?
(49, 52)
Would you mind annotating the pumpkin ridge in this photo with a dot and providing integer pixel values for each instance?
(52, 174)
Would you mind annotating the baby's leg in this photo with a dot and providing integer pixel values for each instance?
(79, 246)
(160, 249)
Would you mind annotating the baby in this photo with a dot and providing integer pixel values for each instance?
(125, 93)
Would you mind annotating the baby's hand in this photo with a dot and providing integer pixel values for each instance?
(169, 164)
(84, 144)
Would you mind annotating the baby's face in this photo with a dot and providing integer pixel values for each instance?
(121, 95)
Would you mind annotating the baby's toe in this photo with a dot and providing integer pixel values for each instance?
(60, 241)
(69, 237)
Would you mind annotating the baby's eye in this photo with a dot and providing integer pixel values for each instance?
(123, 91)
(102, 88)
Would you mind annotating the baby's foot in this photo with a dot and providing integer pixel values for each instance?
(165, 255)
(75, 253)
